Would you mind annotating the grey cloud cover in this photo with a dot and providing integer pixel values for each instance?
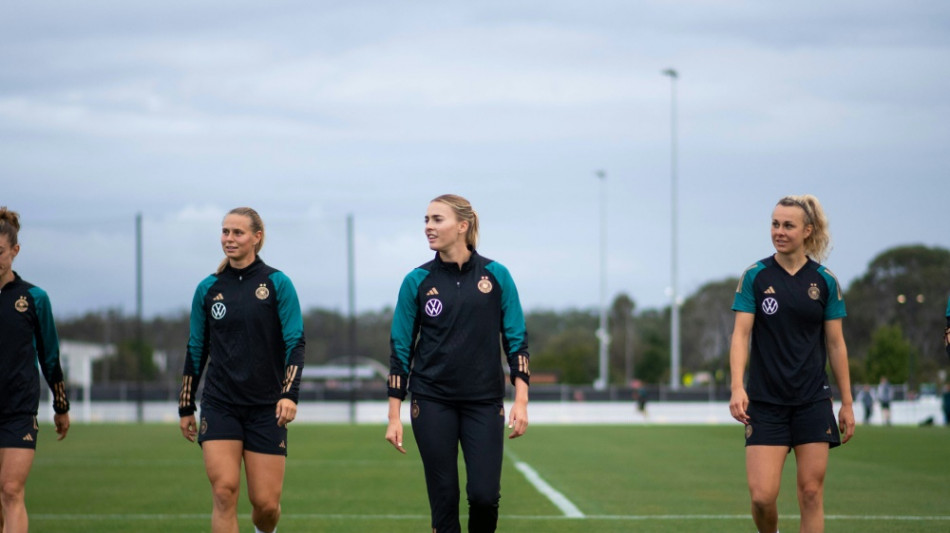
(309, 111)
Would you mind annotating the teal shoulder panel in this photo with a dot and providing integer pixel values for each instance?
(835, 307)
(948, 308)
(288, 309)
(513, 324)
(404, 317)
(198, 325)
(48, 347)
(744, 300)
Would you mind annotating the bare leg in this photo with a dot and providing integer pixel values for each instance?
(15, 464)
(223, 464)
(265, 483)
(812, 462)
(764, 472)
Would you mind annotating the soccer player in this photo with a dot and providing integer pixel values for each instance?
(790, 307)
(28, 335)
(445, 350)
(247, 334)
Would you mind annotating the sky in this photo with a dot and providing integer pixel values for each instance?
(313, 111)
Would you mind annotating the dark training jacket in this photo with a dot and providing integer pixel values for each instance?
(445, 332)
(27, 337)
(246, 325)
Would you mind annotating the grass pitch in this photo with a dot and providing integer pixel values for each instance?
(341, 479)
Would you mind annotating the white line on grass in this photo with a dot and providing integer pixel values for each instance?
(329, 516)
(559, 500)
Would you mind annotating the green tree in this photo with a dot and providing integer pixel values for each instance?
(709, 319)
(621, 325)
(652, 352)
(132, 359)
(905, 286)
(571, 354)
(890, 355)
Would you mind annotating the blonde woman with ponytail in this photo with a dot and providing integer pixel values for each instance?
(247, 338)
(27, 337)
(449, 317)
(789, 310)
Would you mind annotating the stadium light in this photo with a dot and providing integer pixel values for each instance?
(674, 292)
(602, 336)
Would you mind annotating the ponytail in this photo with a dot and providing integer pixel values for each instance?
(818, 244)
(463, 211)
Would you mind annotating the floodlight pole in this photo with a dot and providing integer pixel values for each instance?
(351, 299)
(674, 292)
(602, 336)
(139, 336)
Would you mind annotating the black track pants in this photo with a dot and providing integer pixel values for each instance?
(438, 428)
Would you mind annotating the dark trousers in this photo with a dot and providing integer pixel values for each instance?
(438, 428)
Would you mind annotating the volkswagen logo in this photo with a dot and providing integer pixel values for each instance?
(218, 310)
(434, 307)
(770, 306)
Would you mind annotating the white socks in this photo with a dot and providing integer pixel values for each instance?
(259, 531)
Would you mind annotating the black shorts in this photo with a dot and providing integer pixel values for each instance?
(255, 426)
(791, 425)
(18, 431)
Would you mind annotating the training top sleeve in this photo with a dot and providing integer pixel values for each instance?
(47, 349)
(402, 336)
(196, 354)
(514, 334)
(835, 307)
(291, 322)
(744, 300)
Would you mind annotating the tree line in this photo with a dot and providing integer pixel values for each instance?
(894, 328)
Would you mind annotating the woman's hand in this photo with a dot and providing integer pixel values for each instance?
(189, 427)
(62, 424)
(846, 422)
(394, 434)
(738, 405)
(286, 411)
(518, 420)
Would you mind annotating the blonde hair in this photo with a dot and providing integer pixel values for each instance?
(818, 244)
(9, 224)
(257, 224)
(463, 211)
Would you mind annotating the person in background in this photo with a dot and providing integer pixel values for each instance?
(867, 401)
(640, 396)
(247, 335)
(884, 395)
(789, 310)
(27, 336)
(445, 350)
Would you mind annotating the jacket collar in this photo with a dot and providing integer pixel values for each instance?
(248, 270)
(16, 279)
(454, 266)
